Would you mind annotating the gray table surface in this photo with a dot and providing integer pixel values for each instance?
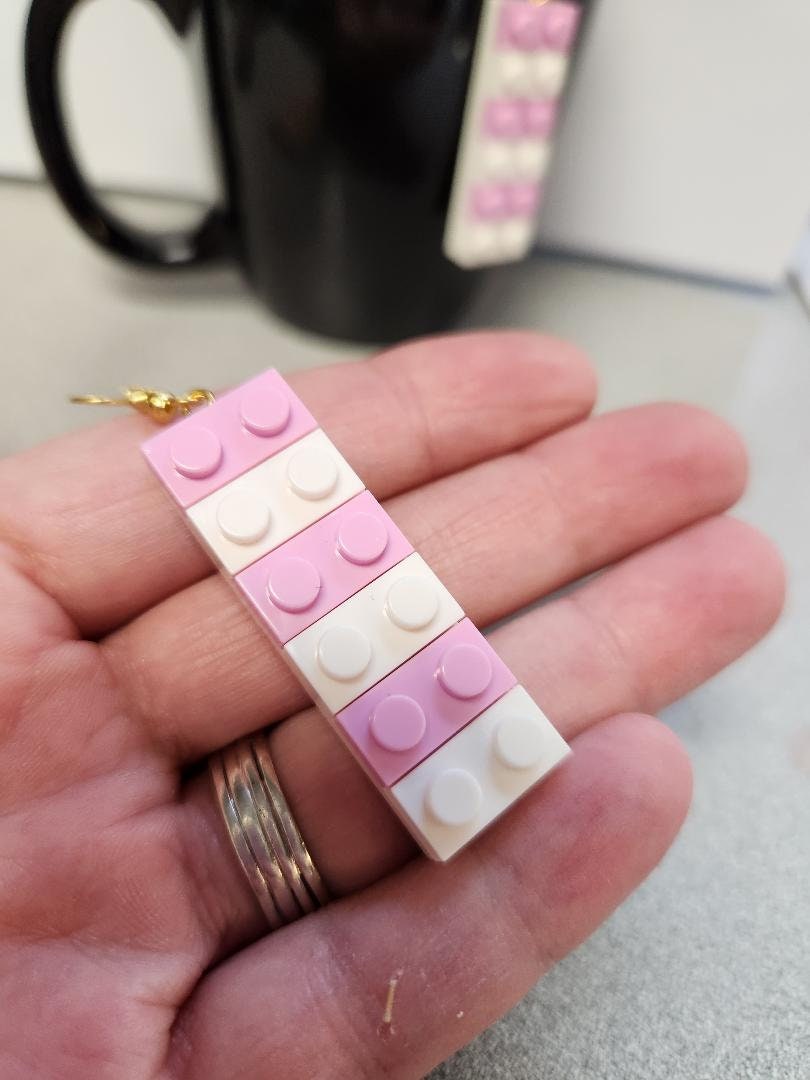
(705, 971)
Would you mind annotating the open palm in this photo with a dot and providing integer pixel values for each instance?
(130, 943)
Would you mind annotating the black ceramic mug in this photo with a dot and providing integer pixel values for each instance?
(338, 122)
(346, 161)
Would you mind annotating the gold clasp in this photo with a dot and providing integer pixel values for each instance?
(158, 405)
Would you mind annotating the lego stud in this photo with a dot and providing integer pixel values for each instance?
(539, 117)
(524, 26)
(524, 198)
(519, 741)
(548, 71)
(516, 236)
(412, 603)
(312, 473)
(243, 518)
(560, 26)
(294, 584)
(454, 797)
(483, 241)
(489, 201)
(515, 72)
(196, 453)
(344, 653)
(497, 156)
(362, 539)
(531, 158)
(398, 723)
(264, 411)
(465, 671)
(503, 118)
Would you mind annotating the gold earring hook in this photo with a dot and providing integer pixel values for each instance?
(158, 405)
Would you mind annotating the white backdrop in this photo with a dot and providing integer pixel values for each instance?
(686, 144)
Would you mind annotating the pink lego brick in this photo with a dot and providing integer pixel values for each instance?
(299, 582)
(490, 201)
(524, 198)
(521, 25)
(539, 117)
(504, 118)
(238, 431)
(531, 27)
(407, 715)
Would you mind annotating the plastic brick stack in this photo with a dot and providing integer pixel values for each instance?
(430, 712)
(518, 75)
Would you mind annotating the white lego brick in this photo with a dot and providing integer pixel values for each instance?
(501, 239)
(466, 784)
(360, 642)
(548, 74)
(270, 503)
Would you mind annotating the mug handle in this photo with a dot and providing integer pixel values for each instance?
(43, 38)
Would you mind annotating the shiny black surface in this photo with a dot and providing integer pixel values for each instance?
(339, 123)
(44, 34)
(340, 120)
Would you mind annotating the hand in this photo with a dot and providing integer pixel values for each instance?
(130, 944)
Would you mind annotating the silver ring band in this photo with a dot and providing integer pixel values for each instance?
(263, 832)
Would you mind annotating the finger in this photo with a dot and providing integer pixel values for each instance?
(636, 637)
(100, 536)
(463, 942)
(500, 535)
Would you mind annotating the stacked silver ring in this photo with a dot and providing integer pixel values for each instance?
(263, 833)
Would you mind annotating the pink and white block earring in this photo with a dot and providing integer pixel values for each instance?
(428, 709)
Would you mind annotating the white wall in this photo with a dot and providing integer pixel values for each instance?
(16, 144)
(686, 144)
(133, 95)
